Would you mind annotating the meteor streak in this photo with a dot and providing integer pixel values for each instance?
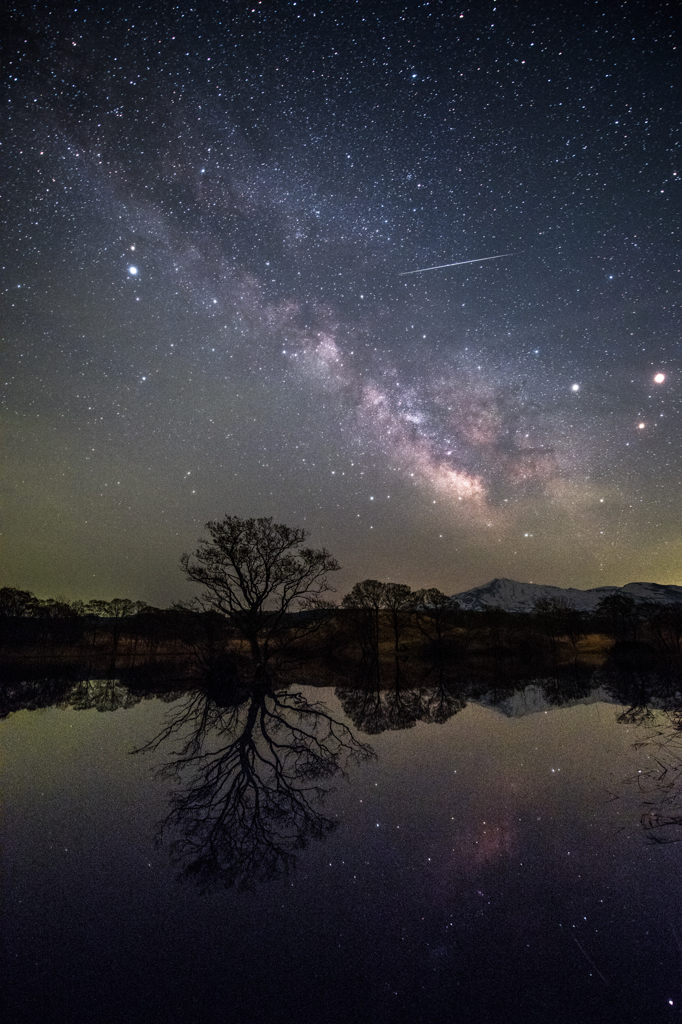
(461, 263)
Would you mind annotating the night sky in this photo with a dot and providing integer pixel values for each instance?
(206, 214)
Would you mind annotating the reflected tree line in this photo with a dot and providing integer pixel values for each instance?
(251, 753)
(252, 762)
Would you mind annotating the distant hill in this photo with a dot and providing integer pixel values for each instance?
(521, 597)
(532, 700)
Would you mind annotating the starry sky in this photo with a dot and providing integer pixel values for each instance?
(209, 216)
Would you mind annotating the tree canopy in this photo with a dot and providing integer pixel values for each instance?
(255, 572)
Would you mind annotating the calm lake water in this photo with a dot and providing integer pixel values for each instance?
(489, 867)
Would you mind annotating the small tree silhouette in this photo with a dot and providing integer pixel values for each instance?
(254, 573)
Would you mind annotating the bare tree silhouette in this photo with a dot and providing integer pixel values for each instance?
(435, 614)
(366, 600)
(255, 573)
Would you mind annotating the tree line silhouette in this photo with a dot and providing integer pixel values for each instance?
(375, 625)
(265, 600)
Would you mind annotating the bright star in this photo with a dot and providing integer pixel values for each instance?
(132, 271)
(659, 378)
(575, 387)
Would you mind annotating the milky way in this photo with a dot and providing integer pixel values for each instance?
(211, 224)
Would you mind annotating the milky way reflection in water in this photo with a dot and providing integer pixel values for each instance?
(479, 861)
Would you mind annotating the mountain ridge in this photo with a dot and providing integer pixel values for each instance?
(513, 596)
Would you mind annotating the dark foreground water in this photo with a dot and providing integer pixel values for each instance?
(488, 868)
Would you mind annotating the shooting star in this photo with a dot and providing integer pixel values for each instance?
(461, 263)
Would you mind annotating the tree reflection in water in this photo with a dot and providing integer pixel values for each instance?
(661, 781)
(102, 694)
(652, 701)
(376, 706)
(254, 764)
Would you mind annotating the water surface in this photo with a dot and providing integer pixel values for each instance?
(488, 867)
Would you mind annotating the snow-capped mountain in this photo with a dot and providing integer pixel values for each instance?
(532, 700)
(521, 597)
